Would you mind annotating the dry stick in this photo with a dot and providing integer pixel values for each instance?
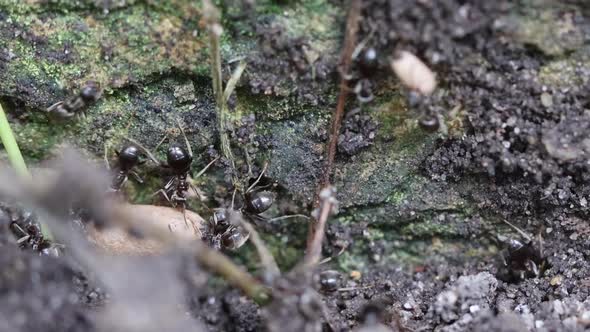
(345, 64)
(234, 275)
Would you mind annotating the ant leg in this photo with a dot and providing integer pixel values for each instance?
(163, 193)
(186, 222)
(233, 80)
(359, 48)
(188, 144)
(136, 177)
(55, 107)
(327, 259)
(199, 193)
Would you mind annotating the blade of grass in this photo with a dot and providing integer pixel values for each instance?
(16, 158)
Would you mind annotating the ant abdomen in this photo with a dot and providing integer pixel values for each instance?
(258, 202)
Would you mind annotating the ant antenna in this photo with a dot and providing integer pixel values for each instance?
(201, 172)
(259, 177)
(160, 142)
(233, 198)
(359, 48)
(145, 150)
(188, 144)
(289, 217)
(520, 231)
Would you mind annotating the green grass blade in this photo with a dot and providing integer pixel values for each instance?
(15, 157)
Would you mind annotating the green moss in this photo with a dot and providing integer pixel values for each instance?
(428, 228)
(37, 139)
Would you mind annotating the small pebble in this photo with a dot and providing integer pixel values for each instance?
(556, 281)
(546, 99)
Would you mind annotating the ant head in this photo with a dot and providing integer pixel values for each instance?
(128, 157)
(514, 245)
(90, 92)
(429, 123)
(258, 202)
(178, 158)
(220, 222)
(369, 61)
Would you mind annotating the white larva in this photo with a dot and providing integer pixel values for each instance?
(413, 73)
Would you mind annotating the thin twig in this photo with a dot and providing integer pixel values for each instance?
(350, 39)
(211, 16)
(314, 250)
(218, 263)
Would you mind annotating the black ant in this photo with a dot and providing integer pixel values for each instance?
(128, 158)
(28, 234)
(178, 162)
(368, 63)
(522, 260)
(227, 235)
(429, 120)
(89, 94)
